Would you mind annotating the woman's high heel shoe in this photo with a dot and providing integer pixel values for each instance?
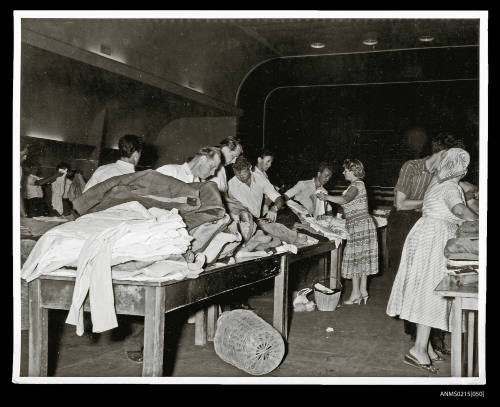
(365, 298)
(353, 301)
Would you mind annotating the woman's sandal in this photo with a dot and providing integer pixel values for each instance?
(413, 361)
(439, 357)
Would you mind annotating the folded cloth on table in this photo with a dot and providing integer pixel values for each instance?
(37, 227)
(153, 189)
(285, 247)
(152, 235)
(453, 264)
(462, 248)
(468, 229)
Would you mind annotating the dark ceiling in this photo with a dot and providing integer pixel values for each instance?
(290, 37)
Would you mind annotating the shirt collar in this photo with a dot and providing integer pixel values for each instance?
(258, 171)
(125, 164)
(422, 166)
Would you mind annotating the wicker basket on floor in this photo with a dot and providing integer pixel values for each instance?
(246, 341)
(327, 301)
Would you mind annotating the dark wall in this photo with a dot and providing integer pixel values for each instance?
(367, 122)
(310, 109)
(65, 102)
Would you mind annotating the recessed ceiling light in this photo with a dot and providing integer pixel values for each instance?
(317, 45)
(426, 38)
(370, 38)
(370, 41)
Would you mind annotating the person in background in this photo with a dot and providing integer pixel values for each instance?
(23, 156)
(231, 149)
(130, 148)
(264, 162)
(35, 204)
(414, 178)
(305, 192)
(423, 263)
(360, 258)
(202, 166)
(61, 205)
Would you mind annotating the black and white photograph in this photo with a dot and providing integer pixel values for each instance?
(250, 197)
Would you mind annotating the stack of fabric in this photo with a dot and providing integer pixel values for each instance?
(462, 251)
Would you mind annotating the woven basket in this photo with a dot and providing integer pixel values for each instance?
(248, 342)
(327, 302)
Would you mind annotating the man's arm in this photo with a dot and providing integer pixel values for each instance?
(48, 180)
(403, 204)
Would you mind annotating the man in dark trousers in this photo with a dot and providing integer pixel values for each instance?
(414, 178)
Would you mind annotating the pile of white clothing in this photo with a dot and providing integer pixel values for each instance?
(95, 242)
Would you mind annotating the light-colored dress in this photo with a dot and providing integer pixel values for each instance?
(423, 263)
(360, 256)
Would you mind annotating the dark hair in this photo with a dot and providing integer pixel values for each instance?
(324, 166)
(241, 163)
(444, 141)
(128, 144)
(265, 152)
(355, 166)
(232, 142)
(63, 165)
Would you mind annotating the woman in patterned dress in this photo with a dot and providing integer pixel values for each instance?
(423, 263)
(360, 257)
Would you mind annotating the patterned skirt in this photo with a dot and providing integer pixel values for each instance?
(360, 256)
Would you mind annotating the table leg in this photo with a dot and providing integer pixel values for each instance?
(280, 315)
(38, 332)
(456, 338)
(154, 332)
(470, 343)
(334, 267)
(385, 252)
(213, 315)
(200, 327)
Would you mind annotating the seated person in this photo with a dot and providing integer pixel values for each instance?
(130, 148)
(249, 188)
(199, 168)
(305, 192)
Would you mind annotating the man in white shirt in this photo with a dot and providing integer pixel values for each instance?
(305, 192)
(130, 147)
(249, 188)
(231, 149)
(202, 166)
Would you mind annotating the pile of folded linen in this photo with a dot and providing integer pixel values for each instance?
(465, 245)
(462, 253)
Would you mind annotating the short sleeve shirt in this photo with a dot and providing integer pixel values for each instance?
(305, 193)
(32, 190)
(107, 171)
(251, 196)
(414, 178)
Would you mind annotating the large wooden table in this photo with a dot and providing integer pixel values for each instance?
(465, 299)
(153, 299)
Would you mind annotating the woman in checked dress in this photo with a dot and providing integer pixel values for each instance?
(423, 263)
(360, 257)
